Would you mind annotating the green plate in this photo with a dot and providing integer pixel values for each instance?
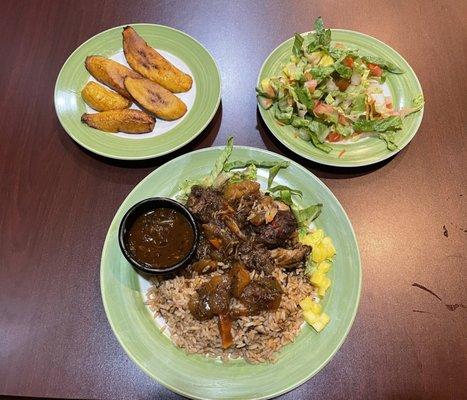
(183, 51)
(403, 89)
(200, 377)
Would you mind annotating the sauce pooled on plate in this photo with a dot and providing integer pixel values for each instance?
(160, 238)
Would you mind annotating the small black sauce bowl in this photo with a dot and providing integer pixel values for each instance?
(139, 209)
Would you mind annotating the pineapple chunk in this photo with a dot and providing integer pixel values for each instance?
(325, 284)
(312, 239)
(306, 304)
(325, 61)
(323, 250)
(317, 278)
(310, 317)
(320, 322)
(316, 308)
(324, 266)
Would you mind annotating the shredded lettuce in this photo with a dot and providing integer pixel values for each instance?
(275, 169)
(319, 129)
(285, 196)
(280, 188)
(249, 173)
(378, 125)
(343, 71)
(258, 164)
(219, 164)
(307, 215)
(417, 104)
(212, 178)
(384, 64)
(284, 116)
(297, 45)
(320, 73)
(388, 137)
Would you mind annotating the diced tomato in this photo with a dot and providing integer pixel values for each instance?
(334, 137)
(342, 83)
(388, 102)
(311, 85)
(217, 243)
(348, 61)
(323, 109)
(375, 70)
(342, 120)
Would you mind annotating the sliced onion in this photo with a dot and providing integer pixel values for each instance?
(355, 79)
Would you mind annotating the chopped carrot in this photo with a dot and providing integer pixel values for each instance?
(225, 330)
(341, 153)
(217, 243)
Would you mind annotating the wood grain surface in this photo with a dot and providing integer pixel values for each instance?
(57, 200)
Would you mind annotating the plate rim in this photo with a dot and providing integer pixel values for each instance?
(330, 162)
(312, 372)
(78, 140)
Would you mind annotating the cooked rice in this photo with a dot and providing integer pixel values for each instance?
(256, 338)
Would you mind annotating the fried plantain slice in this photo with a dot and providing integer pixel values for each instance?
(149, 63)
(156, 99)
(100, 98)
(126, 120)
(110, 73)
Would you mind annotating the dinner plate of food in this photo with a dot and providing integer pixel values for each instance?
(230, 272)
(137, 91)
(339, 97)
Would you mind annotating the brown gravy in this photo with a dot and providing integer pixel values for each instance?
(160, 238)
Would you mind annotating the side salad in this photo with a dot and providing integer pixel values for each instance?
(331, 93)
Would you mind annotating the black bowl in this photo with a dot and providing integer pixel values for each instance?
(142, 207)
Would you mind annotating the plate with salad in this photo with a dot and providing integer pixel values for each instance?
(259, 213)
(339, 97)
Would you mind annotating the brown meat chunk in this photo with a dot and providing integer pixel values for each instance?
(279, 230)
(255, 256)
(240, 279)
(205, 203)
(235, 191)
(262, 294)
(211, 298)
(263, 211)
(290, 257)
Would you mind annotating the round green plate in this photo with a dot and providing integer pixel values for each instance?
(200, 377)
(184, 51)
(403, 88)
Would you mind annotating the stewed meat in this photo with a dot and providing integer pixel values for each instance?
(255, 256)
(205, 203)
(262, 294)
(290, 257)
(212, 298)
(279, 230)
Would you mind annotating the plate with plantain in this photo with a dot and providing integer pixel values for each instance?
(137, 92)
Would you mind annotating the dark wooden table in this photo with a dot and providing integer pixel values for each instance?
(57, 199)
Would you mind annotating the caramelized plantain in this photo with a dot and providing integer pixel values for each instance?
(149, 63)
(102, 99)
(110, 73)
(126, 120)
(156, 99)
